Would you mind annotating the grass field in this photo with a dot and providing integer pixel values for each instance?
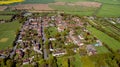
(8, 12)
(5, 17)
(112, 43)
(76, 63)
(8, 33)
(75, 10)
(109, 10)
(102, 50)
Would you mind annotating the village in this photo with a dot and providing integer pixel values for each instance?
(53, 35)
(49, 36)
(59, 33)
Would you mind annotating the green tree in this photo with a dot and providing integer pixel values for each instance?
(65, 62)
(52, 61)
(9, 63)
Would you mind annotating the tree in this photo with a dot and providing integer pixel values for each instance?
(9, 63)
(52, 61)
(65, 62)
(42, 63)
(2, 63)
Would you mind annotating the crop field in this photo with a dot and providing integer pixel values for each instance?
(10, 1)
(109, 27)
(8, 34)
(38, 1)
(109, 8)
(111, 42)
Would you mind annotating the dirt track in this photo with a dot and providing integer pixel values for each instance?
(32, 7)
(88, 4)
(85, 4)
(2, 8)
(45, 7)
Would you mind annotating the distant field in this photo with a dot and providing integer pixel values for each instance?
(75, 10)
(111, 42)
(109, 10)
(10, 1)
(38, 1)
(102, 1)
(7, 33)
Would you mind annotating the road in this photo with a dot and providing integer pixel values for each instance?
(44, 39)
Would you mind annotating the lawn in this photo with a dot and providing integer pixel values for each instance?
(109, 10)
(8, 33)
(51, 31)
(111, 42)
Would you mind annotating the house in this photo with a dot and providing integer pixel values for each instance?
(34, 23)
(27, 14)
(61, 28)
(51, 47)
(91, 50)
(1, 51)
(26, 61)
(81, 37)
(37, 49)
(59, 52)
(99, 42)
(52, 39)
(20, 53)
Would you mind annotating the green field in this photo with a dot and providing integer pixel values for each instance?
(102, 50)
(75, 10)
(5, 17)
(8, 12)
(109, 10)
(8, 33)
(111, 42)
